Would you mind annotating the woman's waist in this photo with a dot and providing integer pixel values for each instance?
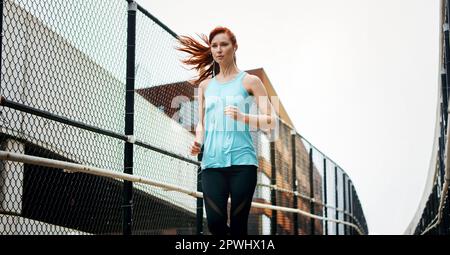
(229, 145)
(228, 138)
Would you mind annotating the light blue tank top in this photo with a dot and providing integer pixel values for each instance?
(227, 141)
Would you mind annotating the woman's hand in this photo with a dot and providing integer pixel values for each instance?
(234, 113)
(195, 148)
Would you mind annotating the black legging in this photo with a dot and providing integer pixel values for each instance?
(239, 181)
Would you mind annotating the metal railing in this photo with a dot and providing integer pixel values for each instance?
(433, 215)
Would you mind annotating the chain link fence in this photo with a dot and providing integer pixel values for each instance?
(99, 83)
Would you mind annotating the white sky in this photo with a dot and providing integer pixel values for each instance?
(357, 77)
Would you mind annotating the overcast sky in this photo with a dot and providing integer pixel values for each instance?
(357, 77)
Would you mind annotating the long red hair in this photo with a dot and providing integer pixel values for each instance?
(200, 55)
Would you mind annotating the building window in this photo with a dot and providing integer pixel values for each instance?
(265, 225)
(263, 191)
(264, 147)
(188, 113)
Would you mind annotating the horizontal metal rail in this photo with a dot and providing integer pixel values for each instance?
(315, 201)
(11, 156)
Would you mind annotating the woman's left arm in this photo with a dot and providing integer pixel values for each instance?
(267, 117)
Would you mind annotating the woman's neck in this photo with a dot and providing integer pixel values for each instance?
(228, 70)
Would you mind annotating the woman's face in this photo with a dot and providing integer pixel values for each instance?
(222, 49)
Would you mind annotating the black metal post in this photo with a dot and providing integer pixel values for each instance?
(273, 194)
(447, 65)
(444, 103)
(447, 3)
(438, 228)
(336, 192)
(325, 208)
(356, 209)
(344, 194)
(441, 152)
(311, 189)
(129, 117)
(350, 196)
(294, 181)
(433, 206)
(445, 223)
(427, 213)
(199, 216)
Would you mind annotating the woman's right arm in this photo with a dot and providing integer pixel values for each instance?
(199, 131)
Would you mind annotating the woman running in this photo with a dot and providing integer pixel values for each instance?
(229, 163)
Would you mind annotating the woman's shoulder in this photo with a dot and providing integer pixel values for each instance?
(251, 82)
(204, 84)
(251, 78)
